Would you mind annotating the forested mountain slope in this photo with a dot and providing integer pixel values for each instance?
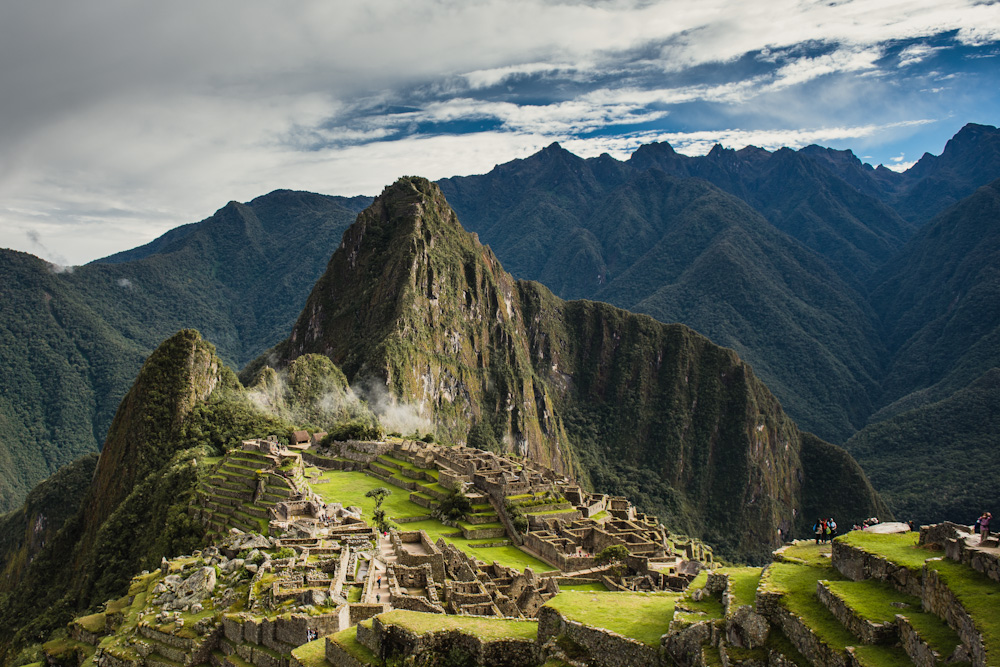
(71, 341)
(414, 302)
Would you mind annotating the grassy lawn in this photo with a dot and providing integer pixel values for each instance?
(348, 640)
(595, 586)
(641, 616)
(797, 583)
(898, 548)
(350, 488)
(743, 584)
(807, 553)
(871, 599)
(484, 628)
(980, 596)
(313, 654)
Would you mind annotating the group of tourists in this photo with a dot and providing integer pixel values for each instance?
(872, 521)
(825, 530)
(312, 635)
(983, 526)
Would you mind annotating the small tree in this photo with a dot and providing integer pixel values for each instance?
(615, 555)
(379, 493)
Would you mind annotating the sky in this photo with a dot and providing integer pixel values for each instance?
(120, 120)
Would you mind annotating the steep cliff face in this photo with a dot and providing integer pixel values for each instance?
(124, 515)
(634, 406)
(413, 301)
(181, 372)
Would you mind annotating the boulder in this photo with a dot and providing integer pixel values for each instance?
(195, 588)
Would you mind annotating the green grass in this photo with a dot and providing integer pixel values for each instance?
(313, 654)
(871, 599)
(354, 594)
(898, 548)
(485, 628)
(642, 616)
(349, 488)
(406, 465)
(595, 586)
(808, 553)
(743, 584)
(882, 656)
(94, 623)
(980, 596)
(797, 583)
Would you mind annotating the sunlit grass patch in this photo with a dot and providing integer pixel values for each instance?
(644, 617)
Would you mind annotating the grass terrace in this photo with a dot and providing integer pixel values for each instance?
(797, 583)
(872, 600)
(644, 617)
(743, 584)
(898, 548)
(806, 553)
(485, 628)
(313, 654)
(980, 596)
(589, 587)
(350, 488)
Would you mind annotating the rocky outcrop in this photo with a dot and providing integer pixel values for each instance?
(417, 303)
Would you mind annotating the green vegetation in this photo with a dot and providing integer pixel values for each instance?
(590, 587)
(313, 654)
(979, 595)
(486, 629)
(351, 488)
(898, 548)
(743, 584)
(641, 616)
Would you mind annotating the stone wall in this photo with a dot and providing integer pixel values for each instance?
(916, 648)
(335, 655)
(939, 600)
(862, 628)
(393, 641)
(858, 565)
(605, 648)
(433, 557)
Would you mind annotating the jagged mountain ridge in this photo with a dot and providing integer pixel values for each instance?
(130, 510)
(563, 220)
(682, 250)
(71, 341)
(412, 299)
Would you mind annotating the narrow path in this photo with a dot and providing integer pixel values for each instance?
(386, 555)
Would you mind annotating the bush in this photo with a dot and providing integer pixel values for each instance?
(353, 430)
(454, 506)
(285, 552)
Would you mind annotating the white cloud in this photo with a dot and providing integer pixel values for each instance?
(915, 53)
(899, 166)
(114, 133)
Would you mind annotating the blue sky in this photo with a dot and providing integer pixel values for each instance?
(121, 120)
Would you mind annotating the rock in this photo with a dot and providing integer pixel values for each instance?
(195, 588)
(164, 565)
(159, 588)
(312, 598)
(254, 556)
(197, 608)
(889, 527)
(251, 568)
(172, 581)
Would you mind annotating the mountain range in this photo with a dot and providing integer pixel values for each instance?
(414, 303)
(857, 295)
